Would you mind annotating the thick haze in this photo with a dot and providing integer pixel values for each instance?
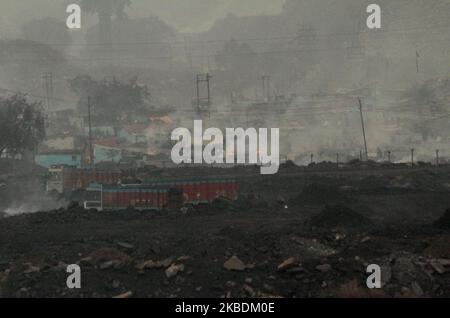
(319, 55)
(185, 15)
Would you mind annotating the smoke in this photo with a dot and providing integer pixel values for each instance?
(33, 205)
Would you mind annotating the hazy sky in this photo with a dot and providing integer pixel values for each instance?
(186, 15)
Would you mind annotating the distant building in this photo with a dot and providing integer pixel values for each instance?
(50, 158)
(105, 131)
(106, 150)
(62, 143)
(134, 134)
(158, 134)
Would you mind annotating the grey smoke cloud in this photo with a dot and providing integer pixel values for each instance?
(192, 15)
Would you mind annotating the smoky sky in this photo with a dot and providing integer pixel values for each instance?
(185, 15)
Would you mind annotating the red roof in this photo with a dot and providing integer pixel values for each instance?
(136, 128)
(107, 142)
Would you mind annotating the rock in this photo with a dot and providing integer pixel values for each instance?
(31, 269)
(287, 264)
(249, 280)
(110, 264)
(125, 245)
(249, 291)
(103, 255)
(183, 258)
(386, 274)
(444, 262)
(173, 270)
(146, 264)
(268, 288)
(366, 239)
(234, 264)
(124, 295)
(405, 291)
(230, 284)
(152, 264)
(250, 266)
(404, 269)
(438, 267)
(165, 262)
(323, 268)
(61, 266)
(417, 290)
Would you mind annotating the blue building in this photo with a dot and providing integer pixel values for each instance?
(60, 157)
(106, 154)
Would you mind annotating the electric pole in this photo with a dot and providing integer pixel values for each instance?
(266, 87)
(203, 103)
(363, 128)
(48, 87)
(437, 157)
(91, 150)
(417, 61)
(412, 158)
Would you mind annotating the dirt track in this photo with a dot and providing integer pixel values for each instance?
(276, 220)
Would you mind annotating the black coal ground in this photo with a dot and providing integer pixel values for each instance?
(129, 253)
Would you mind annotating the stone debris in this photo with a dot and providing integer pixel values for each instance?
(234, 264)
(124, 245)
(150, 264)
(31, 268)
(173, 270)
(107, 258)
(128, 294)
(324, 268)
(287, 264)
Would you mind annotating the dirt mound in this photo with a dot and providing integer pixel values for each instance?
(339, 216)
(438, 247)
(426, 180)
(444, 221)
(374, 185)
(320, 194)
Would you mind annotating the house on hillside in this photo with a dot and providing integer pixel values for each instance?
(134, 134)
(106, 150)
(46, 159)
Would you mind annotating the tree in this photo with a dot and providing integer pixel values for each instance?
(111, 100)
(22, 125)
(105, 10)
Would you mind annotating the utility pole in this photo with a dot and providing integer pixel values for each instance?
(337, 160)
(363, 129)
(91, 150)
(48, 87)
(417, 61)
(312, 158)
(389, 156)
(412, 158)
(201, 103)
(437, 157)
(266, 87)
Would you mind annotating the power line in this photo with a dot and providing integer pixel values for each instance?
(265, 39)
